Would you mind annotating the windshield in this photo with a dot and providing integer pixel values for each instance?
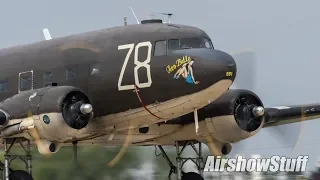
(188, 43)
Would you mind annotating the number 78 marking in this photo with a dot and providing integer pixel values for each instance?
(138, 64)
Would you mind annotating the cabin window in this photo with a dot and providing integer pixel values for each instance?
(25, 82)
(207, 43)
(160, 48)
(47, 78)
(70, 73)
(4, 86)
(173, 44)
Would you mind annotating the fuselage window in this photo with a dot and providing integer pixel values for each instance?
(70, 73)
(173, 44)
(3, 86)
(160, 48)
(47, 78)
(25, 82)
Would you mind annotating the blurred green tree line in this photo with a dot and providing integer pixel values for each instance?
(93, 162)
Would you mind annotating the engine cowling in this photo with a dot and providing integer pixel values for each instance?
(58, 112)
(4, 118)
(236, 115)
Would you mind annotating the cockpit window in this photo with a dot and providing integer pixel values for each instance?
(160, 48)
(207, 43)
(173, 44)
(188, 43)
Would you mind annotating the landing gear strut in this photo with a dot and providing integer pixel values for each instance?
(8, 173)
(75, 153)
(198, 161)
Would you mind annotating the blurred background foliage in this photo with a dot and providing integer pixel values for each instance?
(137, 163)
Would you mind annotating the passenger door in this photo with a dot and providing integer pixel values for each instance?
(26, 83)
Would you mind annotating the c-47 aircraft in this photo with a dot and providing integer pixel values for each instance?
(156, 83)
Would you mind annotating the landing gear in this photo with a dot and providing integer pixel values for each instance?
(20, 175)
(8, 173)
(75, 153)
(198, 161)
(191, 176)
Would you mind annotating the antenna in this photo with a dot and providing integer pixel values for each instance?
(125, 21)
(166, 14)
(135, 16)
(46, 34)
(169, 16)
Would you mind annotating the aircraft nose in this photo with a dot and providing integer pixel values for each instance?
(216, 64)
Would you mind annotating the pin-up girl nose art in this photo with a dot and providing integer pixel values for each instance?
(186, 71)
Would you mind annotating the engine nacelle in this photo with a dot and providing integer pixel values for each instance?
(4, 118)
(236, 115)
(58, 112)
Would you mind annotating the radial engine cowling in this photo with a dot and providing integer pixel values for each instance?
(58, 112)
(236, 115)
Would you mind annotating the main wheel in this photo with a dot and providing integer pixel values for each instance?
(20, 175)
(191, 176)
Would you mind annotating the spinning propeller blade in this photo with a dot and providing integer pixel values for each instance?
(245, 79)
(212, 147)
(34, 133)
(123, 149)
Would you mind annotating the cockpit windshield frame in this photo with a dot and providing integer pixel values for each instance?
(189, 43)
(177, 43)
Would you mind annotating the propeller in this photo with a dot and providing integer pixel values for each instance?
(245, 79)
(243, 58)
(214, 150)
(34, 133)
(123, 149)
(76, 110)
(247, 113)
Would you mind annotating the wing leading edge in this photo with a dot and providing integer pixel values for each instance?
(281, 115)
(238, 104)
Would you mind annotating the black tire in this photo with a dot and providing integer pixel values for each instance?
(191, 176)
(20, 175)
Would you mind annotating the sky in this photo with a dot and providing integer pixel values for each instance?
(283, 34)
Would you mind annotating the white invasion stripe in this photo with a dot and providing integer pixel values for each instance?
(281, 107)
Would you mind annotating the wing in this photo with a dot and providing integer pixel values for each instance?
(280, 115)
